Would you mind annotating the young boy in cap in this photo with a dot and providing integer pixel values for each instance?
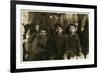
(72, 43)
(59, 42)
(37, 51)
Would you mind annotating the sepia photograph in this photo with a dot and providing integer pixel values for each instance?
(52, 36)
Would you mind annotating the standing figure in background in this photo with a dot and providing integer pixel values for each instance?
(72, 43)
(35, 33)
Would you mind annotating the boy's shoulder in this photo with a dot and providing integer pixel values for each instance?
(69, 35)
(76, 36)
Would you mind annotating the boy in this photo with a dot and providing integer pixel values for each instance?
(39, 46)
(72, 43)
(59, 42)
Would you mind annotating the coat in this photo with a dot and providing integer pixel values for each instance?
(37, 49)
(59, 46)
(72, 44)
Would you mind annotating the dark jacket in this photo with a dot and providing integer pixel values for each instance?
(59, 46)
(37, 50)
(72, 44)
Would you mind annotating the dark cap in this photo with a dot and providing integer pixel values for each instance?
(58, 25)
(73, 25)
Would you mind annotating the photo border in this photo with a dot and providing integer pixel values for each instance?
(13, 35)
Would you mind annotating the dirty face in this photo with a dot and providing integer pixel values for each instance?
(59, 30)
(72, 29)
(43, 33)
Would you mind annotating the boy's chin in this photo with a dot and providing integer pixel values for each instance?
(43, 36)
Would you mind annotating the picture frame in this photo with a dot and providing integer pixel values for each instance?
(44, 8)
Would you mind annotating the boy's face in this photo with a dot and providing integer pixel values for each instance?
(72, 29)
(43, 33)
(59, 30)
